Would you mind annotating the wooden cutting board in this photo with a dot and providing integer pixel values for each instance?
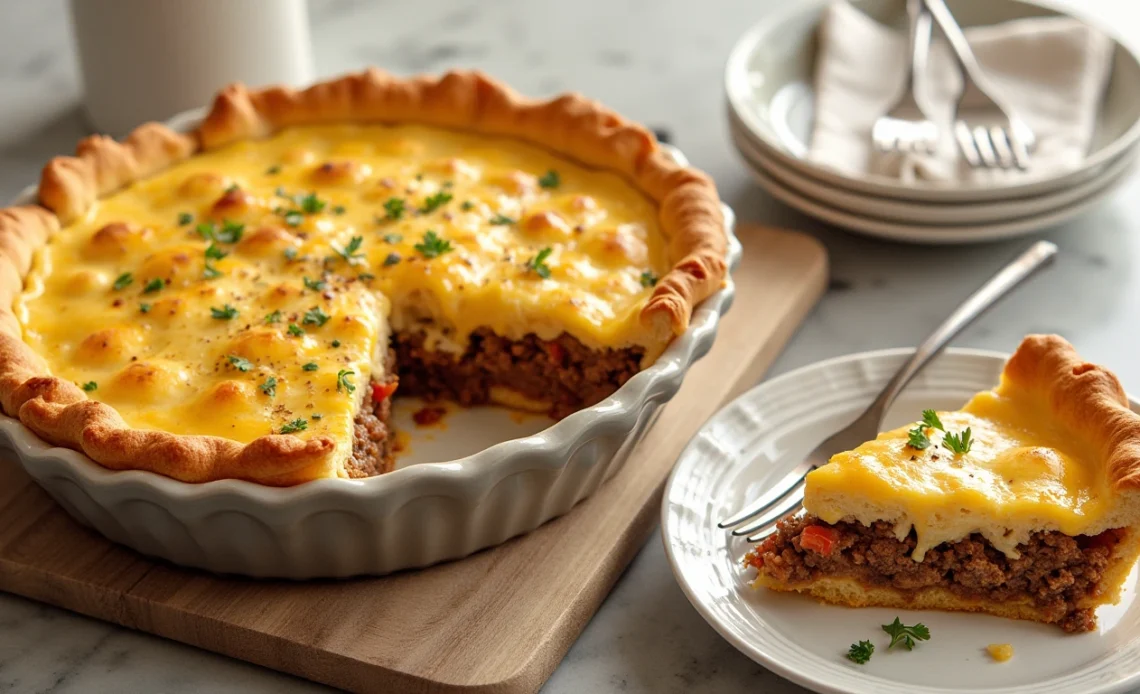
(498, 621)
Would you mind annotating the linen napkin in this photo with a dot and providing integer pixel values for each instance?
(1051, 70)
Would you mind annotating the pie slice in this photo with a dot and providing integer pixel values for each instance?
(242, 301)
(1023, 504)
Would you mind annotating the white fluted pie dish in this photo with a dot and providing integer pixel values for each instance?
(485, 477)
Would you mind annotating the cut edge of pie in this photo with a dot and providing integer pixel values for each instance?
(60, 412)
(856, 547)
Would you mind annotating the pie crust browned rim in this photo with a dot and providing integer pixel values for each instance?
(570, 125)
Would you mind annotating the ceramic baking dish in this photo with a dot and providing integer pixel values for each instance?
(417, 515)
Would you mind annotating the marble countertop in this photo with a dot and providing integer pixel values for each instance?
(660, 63)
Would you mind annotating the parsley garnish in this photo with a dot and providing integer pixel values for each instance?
(153, 286)
(365, 276)
(336, 343)
(210, 272)
(90, 386)
(310, 204)
(393, 238)
(205, 230)
(902, 634)
(123, 281)
(648, 279)
(432, 246)
(501, 220)
(342, 380)
(315, 316)
(315, 285)
(144, 308)
(930, 419)
(213, 252)
(240, 363)
(538, 265)
(227, 312)
(311, 366)
(550, 179)
(290, 253)
(352, 250)
(294, 218)
(273, 170)
(269, 387)
(339, 209)
(185, 218)
(274, 317)
(392, 259)
(434, 202)
(233, 188)
(917, 438)
(295, 330)
(860, 652)
(231, 232)
(294, 426)
(467, 206)
(394, 207)
(959, 443)
(316, 415)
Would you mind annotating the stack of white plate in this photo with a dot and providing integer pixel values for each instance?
(768, 81)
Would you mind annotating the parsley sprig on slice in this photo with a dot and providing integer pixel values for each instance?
(538, 265)
(315, 316)
(861, 652)
(343, 380)
(226, 312)
(352, 251)
(434, 202)
(394, 208)
(294, 426)
(433, 246)
(917, 438)
(906, 636)
(959, 443)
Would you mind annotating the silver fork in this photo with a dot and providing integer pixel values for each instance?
(990, 135)
(786, 496)
(906, 127)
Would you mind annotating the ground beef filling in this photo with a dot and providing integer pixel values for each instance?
(372, 452)
(1056, 571)
(563, 371)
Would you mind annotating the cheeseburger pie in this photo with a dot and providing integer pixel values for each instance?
(242, 301)
(1022, 504)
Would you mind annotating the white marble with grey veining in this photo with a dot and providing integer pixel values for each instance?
(660, 63)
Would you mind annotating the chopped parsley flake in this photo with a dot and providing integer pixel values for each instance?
(339, 209)
(214, 252)
(227, 312)
(352, 250)
(144, 308)
(648, 279)
(123, 281)
(394, 207)
(240, 363)
(315, 316)
(273, 170)
(392, 259)
(233, 188)
(231, 232)
(342, 381)
(501, 220)
(311, 366)
(295, 330)
(185, 218)
(269, 387)
(336, 343)
(467, 206)
(274, 317)
(294, 218)
(294, 426)
(393, 238)
(315, 285)
(316, 415)
(550, 179)
(210, 272)
(90, 386)
(153, 286)
(290, 253)
(434, 202)
(538, 265)
(205, 230)
(310, 204)
(433, 246)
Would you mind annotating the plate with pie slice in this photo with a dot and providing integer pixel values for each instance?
(996, 519)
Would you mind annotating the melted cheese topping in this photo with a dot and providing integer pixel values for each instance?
(1020, 475)
(248, 290)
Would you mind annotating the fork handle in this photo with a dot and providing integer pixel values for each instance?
(957, 40)
(920, 30)
(1038, 256)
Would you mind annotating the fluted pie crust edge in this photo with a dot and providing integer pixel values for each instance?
(570, 125)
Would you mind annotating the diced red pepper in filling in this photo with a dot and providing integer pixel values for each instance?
(556, 351)
(819, 539)
(383, 390)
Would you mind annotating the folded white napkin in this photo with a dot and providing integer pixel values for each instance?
(1052, 70)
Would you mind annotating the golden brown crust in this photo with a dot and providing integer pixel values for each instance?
(1086, 399)
(570, 125)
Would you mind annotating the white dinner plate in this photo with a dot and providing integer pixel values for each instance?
(758, 438)
(768, 85)
(936, 233)
(929, 213)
